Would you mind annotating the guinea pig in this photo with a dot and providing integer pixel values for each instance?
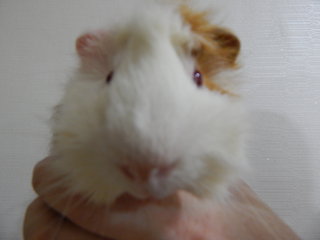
(143, 113)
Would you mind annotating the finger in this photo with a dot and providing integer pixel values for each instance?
(42, 223)
(246, 207)
(229, 218)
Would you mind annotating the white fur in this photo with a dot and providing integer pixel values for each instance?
(151, 112)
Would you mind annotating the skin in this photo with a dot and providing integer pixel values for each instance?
(243, 217)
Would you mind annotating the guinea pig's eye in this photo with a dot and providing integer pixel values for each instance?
(197, 78)
(109, 77)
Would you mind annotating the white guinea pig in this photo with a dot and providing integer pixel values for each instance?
(143, 114)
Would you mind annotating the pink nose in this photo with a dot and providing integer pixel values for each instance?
(142, 172)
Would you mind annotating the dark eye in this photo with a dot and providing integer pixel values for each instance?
(197, 78)
(109, 77)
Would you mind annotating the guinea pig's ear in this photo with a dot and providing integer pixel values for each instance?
(87, 45)
(217, 51)
(228, 45)
(218, 48)
(95, 50)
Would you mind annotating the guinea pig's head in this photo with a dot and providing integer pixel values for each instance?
(143, 114)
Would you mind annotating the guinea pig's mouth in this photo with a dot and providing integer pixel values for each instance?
(127, 202)
(153, 181)
(147, 197)
(150, 192)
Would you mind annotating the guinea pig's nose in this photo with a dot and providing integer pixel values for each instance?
(143, 172)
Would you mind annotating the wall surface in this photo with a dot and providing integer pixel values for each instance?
(280, 58)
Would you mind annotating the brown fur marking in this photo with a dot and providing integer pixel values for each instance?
(218, 48)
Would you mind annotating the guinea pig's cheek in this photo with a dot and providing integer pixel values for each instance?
(212, 86)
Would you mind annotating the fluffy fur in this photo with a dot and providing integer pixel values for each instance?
(151, 119)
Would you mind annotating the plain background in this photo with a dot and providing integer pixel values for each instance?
(281, 68)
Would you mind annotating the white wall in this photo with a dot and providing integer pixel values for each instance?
(281, 58)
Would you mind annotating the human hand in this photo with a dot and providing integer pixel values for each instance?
(162, 217)
(182, 216)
